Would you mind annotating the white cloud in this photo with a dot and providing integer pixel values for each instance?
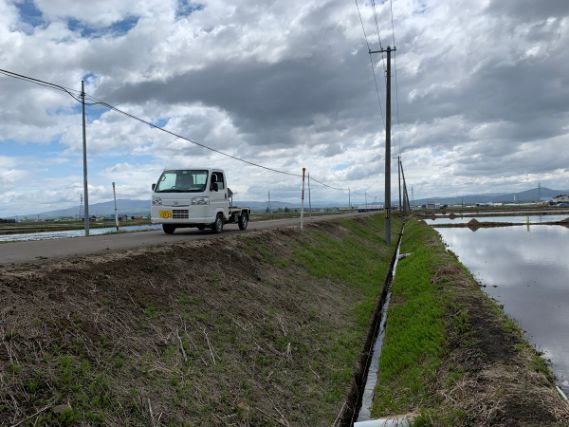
(482, 89)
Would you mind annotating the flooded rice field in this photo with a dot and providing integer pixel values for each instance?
(527, 270)
(532, 219)
(44, 235)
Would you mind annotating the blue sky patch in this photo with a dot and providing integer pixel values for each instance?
(116, 29)
(29, 13)
(186, 8)
(341, 166)
(13, 148)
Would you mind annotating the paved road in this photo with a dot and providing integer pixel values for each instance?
(30, 251)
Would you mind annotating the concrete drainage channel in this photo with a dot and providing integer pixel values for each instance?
(356, 409)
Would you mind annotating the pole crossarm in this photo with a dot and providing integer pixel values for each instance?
(388, 49)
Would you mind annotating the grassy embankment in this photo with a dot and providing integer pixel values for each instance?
(260, 329)
(451, 355)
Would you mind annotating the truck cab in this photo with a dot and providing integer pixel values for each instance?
(198, 198)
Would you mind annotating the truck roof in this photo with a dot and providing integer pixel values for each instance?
(193, 168)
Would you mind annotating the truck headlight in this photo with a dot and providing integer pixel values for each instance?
(157, 201)
(202, 200)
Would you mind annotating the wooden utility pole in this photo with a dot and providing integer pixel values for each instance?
(116, 211)
(399, 179)
(387, 202)
(309, 199)
(302, 200)
(405, 194)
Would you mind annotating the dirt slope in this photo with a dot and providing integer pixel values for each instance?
(261, 329)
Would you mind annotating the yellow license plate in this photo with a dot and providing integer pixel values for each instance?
(165, 214)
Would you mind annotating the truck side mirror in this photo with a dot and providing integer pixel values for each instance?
(213, 186)
(153, 187)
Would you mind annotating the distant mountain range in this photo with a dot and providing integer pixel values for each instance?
(142, 207)
(133, 207)
(533, 195)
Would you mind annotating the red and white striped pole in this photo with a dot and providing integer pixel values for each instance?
(302, 201)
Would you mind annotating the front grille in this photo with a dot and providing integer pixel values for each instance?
(180, 214)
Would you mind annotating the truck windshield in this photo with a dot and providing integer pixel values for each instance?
(181, 181)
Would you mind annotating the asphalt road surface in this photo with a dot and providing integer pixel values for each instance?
(34, 251)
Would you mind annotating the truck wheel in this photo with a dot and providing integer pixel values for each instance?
(168, 228)
(217, 226)
(243, 221)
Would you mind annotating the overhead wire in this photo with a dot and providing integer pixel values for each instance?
(378, 37)
(395, 73)
(372, 65)
(111, 107)
(327, 186)
(44, 83)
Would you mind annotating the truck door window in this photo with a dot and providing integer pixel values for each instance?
(219, 180)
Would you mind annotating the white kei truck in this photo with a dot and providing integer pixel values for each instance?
(199, 198)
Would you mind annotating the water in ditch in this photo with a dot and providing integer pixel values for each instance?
(62, 234)
(373, 370)
(527, 270)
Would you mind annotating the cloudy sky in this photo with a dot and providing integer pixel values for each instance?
(483, 95)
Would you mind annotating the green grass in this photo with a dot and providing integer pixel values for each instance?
(415, 329)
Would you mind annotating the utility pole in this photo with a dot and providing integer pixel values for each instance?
(365, 195)
(309, 200)
(302, 201)
(349, 198)
(269, 201)
(387, 204)
(85, 187)
(116, 211)
(399, 179)
(404, 184)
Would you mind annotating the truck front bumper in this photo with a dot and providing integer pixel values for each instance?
(183, 215)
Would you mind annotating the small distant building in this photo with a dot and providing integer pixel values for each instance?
(370, 208)
(431, 206)
(561, 198)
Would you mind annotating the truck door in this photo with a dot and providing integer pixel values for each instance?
(218, 199)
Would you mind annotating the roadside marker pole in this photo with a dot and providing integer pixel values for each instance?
(116, 212)
(85, 187)
(302, 202)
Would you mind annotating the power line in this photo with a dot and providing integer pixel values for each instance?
(44, 83)
(111, 107)
(378, 36)
(160, 128)
(372, 65)
(132, 116)
(395, 72)
(328, 186)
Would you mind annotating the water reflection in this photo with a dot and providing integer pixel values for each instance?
(44, 235)
(527, 272)
(533, 219)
